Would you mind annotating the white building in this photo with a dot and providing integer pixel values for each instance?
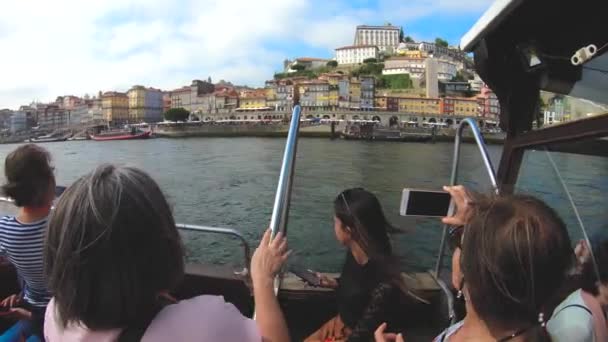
(416, 67)
(356, 54)
(384, 37)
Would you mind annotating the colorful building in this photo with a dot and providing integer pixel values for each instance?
(115, 107)
(314, 94)
(253, 100)
(368, 92)
(419, 105)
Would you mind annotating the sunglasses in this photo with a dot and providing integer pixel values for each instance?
(455, 237)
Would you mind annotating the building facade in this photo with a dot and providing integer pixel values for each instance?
(386, 37)
(314, 94)
(419, 105)
(355, 54)
(145, 104)
(368, 92)
(18, 122)
(51, 117)
(115, 107)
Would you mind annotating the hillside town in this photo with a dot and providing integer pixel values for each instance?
(383, 72)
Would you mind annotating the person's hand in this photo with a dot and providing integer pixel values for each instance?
(11, 301)
(268, 258)
(327, 281)
(17, 313)
(463, 205)
(381, 336)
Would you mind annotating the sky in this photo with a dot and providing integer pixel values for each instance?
(50, 48)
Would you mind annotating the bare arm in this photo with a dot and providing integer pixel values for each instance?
(265, 264)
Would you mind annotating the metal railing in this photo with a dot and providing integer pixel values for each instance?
(223, 231)
(454, 177)
(280, 210)
(206, 229)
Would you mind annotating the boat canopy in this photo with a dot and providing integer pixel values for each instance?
(523, 46)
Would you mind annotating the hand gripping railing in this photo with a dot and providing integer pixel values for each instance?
(453, 179)
(205, 229)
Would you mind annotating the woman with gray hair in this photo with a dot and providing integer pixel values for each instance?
(113, 254)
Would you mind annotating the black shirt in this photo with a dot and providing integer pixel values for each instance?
(365, 298)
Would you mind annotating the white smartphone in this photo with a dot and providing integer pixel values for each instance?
(429, 203)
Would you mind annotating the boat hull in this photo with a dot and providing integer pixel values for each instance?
(126, 136)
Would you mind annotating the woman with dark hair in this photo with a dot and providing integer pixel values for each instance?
(512, 254)
(30, 182)
(581, 316)
(113, 254)
(369, 288)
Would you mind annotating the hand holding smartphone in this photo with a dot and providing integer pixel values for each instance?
(308, 276)
(428, 203)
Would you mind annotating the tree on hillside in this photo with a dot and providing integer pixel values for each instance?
(298, 67)
(409, 39)
(370, 60)
(177, 114)
(458, 78)
(332, 64)
(401, 35)
(441, 42)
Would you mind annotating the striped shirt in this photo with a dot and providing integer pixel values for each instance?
(23, 245)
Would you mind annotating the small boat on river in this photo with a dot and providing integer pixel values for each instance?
(48, 138)
(121, 135)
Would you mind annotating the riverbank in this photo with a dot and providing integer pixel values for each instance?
(280, 130)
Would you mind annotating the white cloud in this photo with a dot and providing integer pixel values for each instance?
(51, 48)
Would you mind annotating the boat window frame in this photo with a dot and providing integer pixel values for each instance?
(515, 146)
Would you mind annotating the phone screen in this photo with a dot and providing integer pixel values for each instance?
(425, 203)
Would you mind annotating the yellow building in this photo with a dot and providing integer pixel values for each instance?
(413, 53)
(255, 99)
(115, 107)
(468, 107)
(380, 102)
(355, 89)
(333, 96)
(419, 105)
(137, 102)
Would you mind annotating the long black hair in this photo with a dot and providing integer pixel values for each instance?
(360, 210)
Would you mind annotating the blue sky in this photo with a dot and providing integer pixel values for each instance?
(77, 47)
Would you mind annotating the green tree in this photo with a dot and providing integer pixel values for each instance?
(401, 34)
(370, 60)
(177, 114)
(395, 81)
(298, 67)
(441, 42)
(409, 39)
(459, 77)
(332, 64)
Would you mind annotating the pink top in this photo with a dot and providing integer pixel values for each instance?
(202, 318)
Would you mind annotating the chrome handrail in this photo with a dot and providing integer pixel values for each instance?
(206, 229)
(453, 179)
(280, 210)
(223, 231)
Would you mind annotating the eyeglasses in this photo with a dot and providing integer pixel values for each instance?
(455, 237)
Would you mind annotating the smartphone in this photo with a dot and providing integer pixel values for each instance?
(430, 203)
(308, 276)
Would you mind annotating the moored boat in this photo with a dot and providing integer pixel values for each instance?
(121, 135)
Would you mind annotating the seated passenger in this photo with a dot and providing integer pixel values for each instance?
(113, 254)
(515, 254)
(31, 184)
(581, 316)
(370, 286)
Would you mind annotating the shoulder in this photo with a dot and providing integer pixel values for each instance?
(447, 333)
(202, 318)
(571, 321)
(53, 331)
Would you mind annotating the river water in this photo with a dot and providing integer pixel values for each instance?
(230, 182)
